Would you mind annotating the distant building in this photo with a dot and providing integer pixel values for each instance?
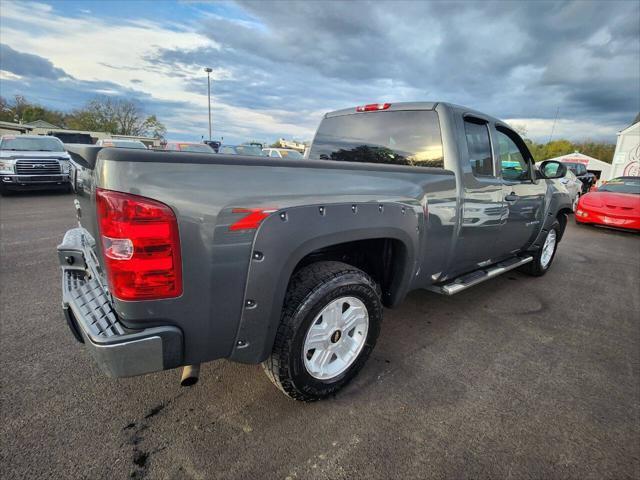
(42, 124)
(626, 159)
(10, 128)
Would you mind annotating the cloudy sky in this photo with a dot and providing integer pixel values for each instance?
(279, 65)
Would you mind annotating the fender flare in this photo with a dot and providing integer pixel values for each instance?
(289, 235)
(558, 203)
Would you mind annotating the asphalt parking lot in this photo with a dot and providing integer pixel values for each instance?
(518, 378)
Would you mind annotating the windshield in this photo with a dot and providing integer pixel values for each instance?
(249, 150)
(31, 144)
(622, 185)
(291, 154)
(400, 138)
(195, 148)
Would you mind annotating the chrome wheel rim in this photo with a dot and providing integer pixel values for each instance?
(335, 338)
(548, 248)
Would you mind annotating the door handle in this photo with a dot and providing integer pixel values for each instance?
(512, 197)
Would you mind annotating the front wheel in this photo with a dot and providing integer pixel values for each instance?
(329, 325)
(544, 256)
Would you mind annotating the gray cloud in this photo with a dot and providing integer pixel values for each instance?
(514, 60)
(69, 93)
(27, 64)
(295, 60)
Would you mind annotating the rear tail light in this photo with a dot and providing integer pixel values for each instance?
(141, 246)
(372, 107)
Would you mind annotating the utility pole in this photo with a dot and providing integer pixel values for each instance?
(553, 127)
(209, 70)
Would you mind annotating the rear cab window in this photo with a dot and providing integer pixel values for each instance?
(400, 137)
(479, 147)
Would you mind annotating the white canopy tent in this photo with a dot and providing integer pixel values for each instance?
(601, 169)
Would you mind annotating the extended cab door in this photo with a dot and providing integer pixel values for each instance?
(523, 194)
(483, 210)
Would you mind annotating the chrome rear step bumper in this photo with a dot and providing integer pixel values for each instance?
(118, 350)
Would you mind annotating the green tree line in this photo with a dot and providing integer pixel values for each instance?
(119, 116)
(124, 117)
(556, 148)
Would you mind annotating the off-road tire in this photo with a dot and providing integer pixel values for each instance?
(535, 267)
(309, 291)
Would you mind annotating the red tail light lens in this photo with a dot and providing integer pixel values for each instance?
(141, 246)
(372, 107)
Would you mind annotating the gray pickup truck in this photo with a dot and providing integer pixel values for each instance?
(183, 258)
(32, 162)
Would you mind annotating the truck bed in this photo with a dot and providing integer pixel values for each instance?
(314, 203)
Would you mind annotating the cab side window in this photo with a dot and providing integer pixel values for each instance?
(513, 165)
(274, 154)
(479, 147)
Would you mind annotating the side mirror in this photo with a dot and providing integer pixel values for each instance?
(552, 169)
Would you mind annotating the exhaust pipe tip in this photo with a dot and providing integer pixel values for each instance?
(190, 375)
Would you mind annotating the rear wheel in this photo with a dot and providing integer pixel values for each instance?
(544, 256)
(329, 325)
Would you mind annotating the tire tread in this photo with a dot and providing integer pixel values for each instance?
(302, 284)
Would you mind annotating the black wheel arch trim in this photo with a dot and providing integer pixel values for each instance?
(558, 203)
(289, 235)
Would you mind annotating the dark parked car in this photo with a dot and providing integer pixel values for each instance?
(587, 178)
(258, 259)
(214, 144)
(72, 137)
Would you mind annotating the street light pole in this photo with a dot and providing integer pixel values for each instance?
(209, 70)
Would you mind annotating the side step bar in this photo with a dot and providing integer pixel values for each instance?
(479, 276)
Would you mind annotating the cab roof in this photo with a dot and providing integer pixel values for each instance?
(400, 106)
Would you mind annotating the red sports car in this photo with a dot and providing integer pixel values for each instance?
(615, 204)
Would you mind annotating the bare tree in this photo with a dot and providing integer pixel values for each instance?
(117, 116)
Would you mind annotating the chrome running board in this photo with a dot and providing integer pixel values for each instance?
(479, 276)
